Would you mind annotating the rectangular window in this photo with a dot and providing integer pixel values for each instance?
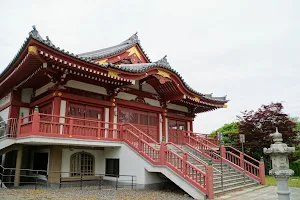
(112, 167)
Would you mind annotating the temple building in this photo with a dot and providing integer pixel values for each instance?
(90, 113)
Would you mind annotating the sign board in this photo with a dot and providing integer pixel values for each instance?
(242, 138)
(219, 136)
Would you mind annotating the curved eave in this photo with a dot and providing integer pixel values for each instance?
(150, 68)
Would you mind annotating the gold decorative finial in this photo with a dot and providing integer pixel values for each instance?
(32, 50)
(225, 105)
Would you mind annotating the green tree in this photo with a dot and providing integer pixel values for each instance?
(229, 132)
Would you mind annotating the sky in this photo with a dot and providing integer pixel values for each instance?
(247, 50)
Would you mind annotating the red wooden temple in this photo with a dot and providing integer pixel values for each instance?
(64, 108)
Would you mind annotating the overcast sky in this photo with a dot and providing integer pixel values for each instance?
(247, 50)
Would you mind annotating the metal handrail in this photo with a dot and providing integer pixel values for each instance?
(8, 128)
(33, 174)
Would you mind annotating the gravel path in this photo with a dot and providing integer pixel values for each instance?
(90, 194)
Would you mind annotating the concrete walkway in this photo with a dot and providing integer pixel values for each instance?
(260, 193)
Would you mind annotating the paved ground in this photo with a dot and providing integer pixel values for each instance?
(261, 193)
(258, 193)
(91, 194)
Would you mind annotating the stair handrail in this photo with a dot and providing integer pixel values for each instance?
(250, 169)
(184, 152)
(212, 150)
(241, 153)
(203, 140)
(188, 142)
(141, 132)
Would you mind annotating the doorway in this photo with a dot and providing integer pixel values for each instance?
(40, 162)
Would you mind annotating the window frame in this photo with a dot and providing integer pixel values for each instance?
(106, 167)
(72, 172)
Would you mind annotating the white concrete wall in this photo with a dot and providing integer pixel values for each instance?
(26, 94)
(146, 87)
(66, 156)
(62, 112)
(160, 127)
(4, 113)
(152, 102)
(5, 99)
(177, 107)
(167, 130)
(43, 89)
(25, 112)
(132, 164)
(126, 96)
(86, 87)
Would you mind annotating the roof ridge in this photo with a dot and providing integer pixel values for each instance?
(163, 61)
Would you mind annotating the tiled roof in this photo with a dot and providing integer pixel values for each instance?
(134, 68)
(102, 53)
(163, 63)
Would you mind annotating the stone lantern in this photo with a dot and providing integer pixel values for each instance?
(280, 164)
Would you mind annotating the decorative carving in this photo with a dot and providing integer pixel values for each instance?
(113, 74)
(134, 50)
(139, 99)
(164, 103)
(163, 74)
(115, 91)
(163, 61)
(48, 41)
(156, 96)
(34, 33)
(162, 80)
(32, 50)
(104, 61)
(132, 40)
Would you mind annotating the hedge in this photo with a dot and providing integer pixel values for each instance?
(296, 167)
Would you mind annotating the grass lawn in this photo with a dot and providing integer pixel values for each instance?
(294, 181)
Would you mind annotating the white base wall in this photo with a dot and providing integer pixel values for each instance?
(68, 152)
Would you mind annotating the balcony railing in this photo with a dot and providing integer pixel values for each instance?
(68, 127)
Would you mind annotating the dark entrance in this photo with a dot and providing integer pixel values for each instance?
(40, 162)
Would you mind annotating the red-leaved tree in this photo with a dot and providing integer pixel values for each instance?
(258, 125)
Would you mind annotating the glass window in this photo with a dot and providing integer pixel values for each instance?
(82, 163)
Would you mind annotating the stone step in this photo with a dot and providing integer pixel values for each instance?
(226, 176)
(232, 185)
(231, 180)
(235, 188)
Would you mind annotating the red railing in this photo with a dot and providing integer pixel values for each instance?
(230, 155)
(244, 162)
(187, 166)
(58, 126)
(206, 148)
(200, 136)
(137, 142)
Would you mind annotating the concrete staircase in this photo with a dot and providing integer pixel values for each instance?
(232, 178)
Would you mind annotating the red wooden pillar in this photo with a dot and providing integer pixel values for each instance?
(15, 100)
(163, 150)
(36, 121)
(262, 172)
(223, 149)
(56, 106)
(112, 115)
(210, 181)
